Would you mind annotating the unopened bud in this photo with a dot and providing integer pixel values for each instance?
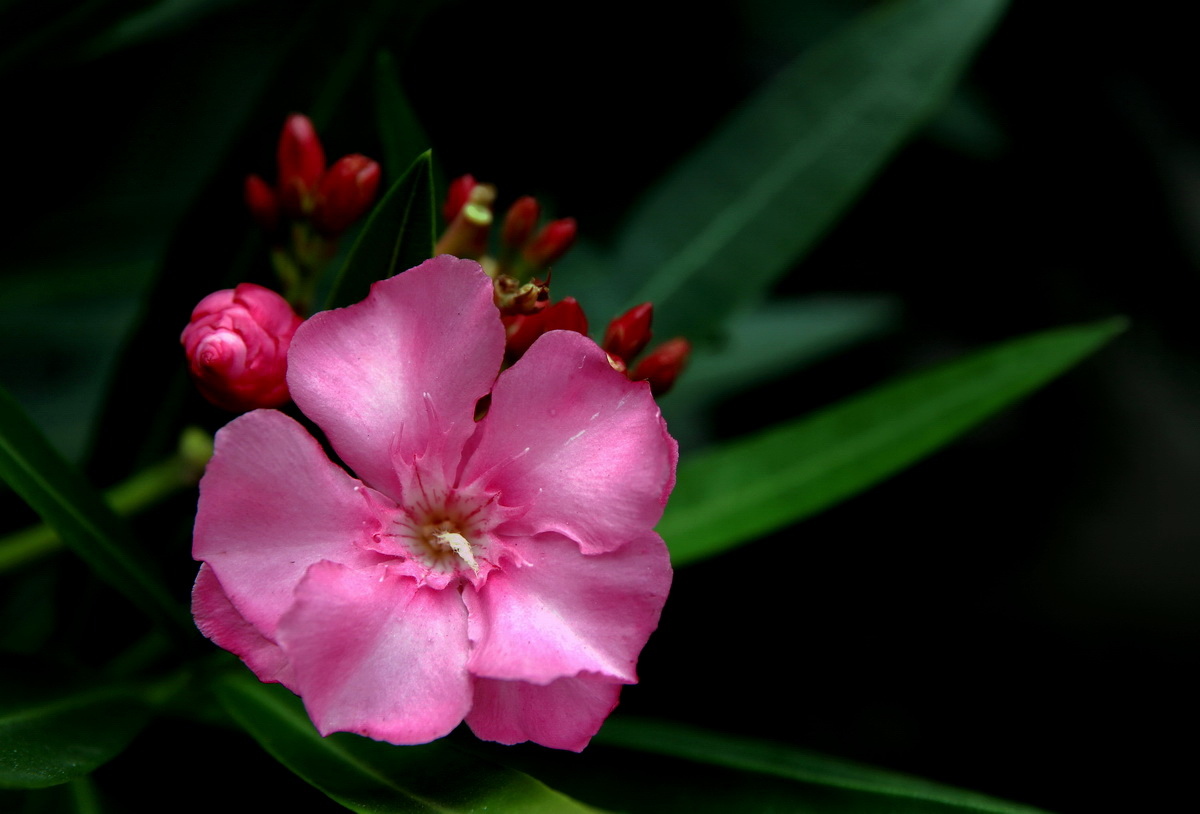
(346, 191)
(628, 334)
(262, 203)
(301, 162)
(519, 223)
(551, 243)
(467, 234)
(236, 343)
(521, 330)
(457, 196)
(663, 365)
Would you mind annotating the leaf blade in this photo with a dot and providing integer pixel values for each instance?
(755, 485)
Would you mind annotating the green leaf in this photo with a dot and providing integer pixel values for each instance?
(399, 234)
(400, 132)
(65, 501)
(52, 736)
(744, 489)
(780, 760)
(753, 199)
(370, 776)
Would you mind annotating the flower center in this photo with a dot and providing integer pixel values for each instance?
(441, 545)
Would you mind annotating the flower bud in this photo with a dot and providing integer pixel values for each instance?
(522, 329)
(628, 334)
(236, 343)
(457, 196)
(551, 243)
(346, 191)
(662, 366)
(262, 203)
(467, 234)
(301, 162)
(520, 222)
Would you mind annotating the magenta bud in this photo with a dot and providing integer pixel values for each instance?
(236, 344)
(663, 365)
(457, 196)
(519, 223)
(522, 329)
(629, 333)
(301, 163)
(262, 203)
(551, 243)
(346, 192)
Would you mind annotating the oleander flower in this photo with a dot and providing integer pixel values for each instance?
(237, 343)
(503, 571)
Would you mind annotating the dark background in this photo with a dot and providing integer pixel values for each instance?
(1015, 615)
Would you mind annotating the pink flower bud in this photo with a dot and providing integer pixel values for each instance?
(523, 329)
(551, 243)
(346, 191)
(237, 343)
(663, 365)
(301, 162)
(629, 333)
(262, 203)
(520, 222)
(457, 196)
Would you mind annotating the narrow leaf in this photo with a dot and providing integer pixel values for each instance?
(780, 760)
(48, 737)
(752, 200)
(749, 487)
(399, 234)
(370, 776)
(400, 132)
(66, 502)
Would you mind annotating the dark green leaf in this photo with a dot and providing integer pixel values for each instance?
(780, 760)
(49, 736)
(400, 132)
(65, 501)
(754, 198)
(754, 485)
(370, 776)
(399, 234)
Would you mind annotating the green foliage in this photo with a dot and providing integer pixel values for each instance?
(737, 492)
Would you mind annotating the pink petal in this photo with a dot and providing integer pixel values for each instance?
(563, 612)
(397, 375)
(579, 444)
(271, 505)
(375, 654)
(562, 715)
(220, 621)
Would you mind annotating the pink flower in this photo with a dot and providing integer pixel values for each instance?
(503, 571)
(236, 343)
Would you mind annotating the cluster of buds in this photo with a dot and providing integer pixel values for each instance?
(524, 299)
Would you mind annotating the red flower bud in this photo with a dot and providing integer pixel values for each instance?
(551, 243)
(262, 203)
(457, 196)
(301, 162)
(346, 191)
(629, 333)
(523, 329)
(237, 343)
(662, 366)
(520, 222)
(467, 234)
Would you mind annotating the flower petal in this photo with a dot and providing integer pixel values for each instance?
(271, 505)
(579, 444)
(562, 612)
(377, 655)
(562, 715)
(397, 375)
(220, 621)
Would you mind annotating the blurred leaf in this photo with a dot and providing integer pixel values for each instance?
(65, 501)
(780, 760)
(49, 737)
(148, 23)
(369, 776)
(751, 486)
(398, 234)
(78, 796)
(400, 132)
(746, 205)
